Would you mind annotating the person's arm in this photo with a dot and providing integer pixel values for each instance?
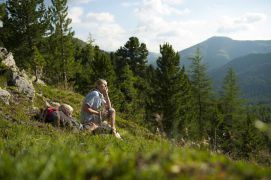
(90, 110)
(107, 99)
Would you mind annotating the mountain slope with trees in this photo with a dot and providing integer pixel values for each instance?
(218, 51)
(253, 74)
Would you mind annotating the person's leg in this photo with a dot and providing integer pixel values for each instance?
(90, 127)
(112, 118)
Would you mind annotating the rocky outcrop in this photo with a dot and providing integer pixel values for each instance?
(7, 59)
(5, 96)
(16, 77)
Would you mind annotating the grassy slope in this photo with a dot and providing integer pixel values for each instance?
(31, 150)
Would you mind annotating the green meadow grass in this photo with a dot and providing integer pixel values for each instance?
(33, 150)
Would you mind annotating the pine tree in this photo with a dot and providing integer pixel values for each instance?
(171, 90)
(38, 64)
(129, 93)
(233, 112)
(150, 104)
(135, 55)
(83, 79)
(61, 46)
(187, 108)
(201, 87)
(24, 26)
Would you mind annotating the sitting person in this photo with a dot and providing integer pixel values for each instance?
(96, 108)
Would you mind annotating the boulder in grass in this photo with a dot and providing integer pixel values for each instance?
(4, 96)
(16, 77)
(24, 85)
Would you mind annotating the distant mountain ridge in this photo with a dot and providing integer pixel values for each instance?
(253, 74)
(218, 51)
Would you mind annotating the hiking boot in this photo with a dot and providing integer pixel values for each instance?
(116, 134)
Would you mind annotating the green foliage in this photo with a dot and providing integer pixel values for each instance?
(38, 63)
(134, 54)
(264, 127)
(61, 62)
(234, 125)
(2, 15)
(64, 155)
(126, 85)
(130, 64)
(230, 95)
(171, 91)
(3, 74)
(201, 88)
(25, 24)
(83, 78)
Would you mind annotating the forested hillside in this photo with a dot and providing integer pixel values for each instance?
(253, 74)
(164, 112)
(218, 51)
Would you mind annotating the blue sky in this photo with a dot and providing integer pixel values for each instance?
(181, 23)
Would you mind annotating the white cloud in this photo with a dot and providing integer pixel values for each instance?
(103, 17)
(243, 23)
(155, 25)
(173, 2)
(180, 34)
(160, 7)
(251, 18)
(106, 32)
(129, 4)
(75, 14)
(80, 1)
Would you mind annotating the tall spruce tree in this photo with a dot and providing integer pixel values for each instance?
(170, 90)
(83, 78)
(60, 44)
(129, 93)
(24, 26)
(135, 55)
(151, 105)
(201, 87)
(231, 129)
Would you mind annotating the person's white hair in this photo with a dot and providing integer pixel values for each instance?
(66, 109)
(100, 81)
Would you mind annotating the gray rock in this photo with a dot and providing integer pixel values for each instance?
(9, 61)
(3, 52)
(5, 96)
(24, 85)
(17, 78)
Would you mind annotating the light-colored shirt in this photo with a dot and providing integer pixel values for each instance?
(95, 100)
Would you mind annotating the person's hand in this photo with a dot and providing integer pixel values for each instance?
(105, 113)
(105, 92)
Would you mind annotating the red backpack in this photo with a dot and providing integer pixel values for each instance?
(46, 114)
